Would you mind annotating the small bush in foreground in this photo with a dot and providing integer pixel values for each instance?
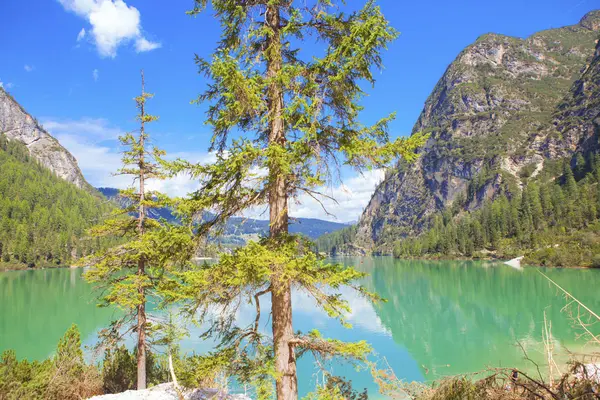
(65, 376)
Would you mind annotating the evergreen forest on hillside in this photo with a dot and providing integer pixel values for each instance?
(553, 220)
(43, 219)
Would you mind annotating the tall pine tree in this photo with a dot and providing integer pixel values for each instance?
(297, 112)
(152, 250)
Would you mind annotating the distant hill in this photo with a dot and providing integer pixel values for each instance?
(239, 227)
(311, 227)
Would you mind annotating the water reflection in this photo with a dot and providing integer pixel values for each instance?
(457, 317)
(37, 307)
(440, 318)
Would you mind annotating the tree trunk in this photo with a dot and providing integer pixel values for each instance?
(281, 294)
(141, 309)
(141, 343)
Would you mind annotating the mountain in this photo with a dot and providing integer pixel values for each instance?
(46, 205)
(238, 227)
(43, 218)
(503, 110)
(311, 227)
(18, 125)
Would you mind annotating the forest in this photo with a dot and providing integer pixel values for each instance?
(553, 220)
(43, 219)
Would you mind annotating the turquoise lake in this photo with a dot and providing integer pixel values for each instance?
(441, 317)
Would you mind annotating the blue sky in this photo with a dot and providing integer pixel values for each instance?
(74, 64)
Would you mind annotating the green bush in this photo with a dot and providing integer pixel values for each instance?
(457, 389)
(62, 377)
(119, 370)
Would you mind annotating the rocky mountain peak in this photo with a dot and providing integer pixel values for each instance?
(489, 118)
(18, 125)
(591, 20)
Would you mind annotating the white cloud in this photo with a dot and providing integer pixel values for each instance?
(142, 44)
(93, 143)
(95, 74)
(29, 68)
(179, 186)
(182, 185)
(113, 23)
(81, 35)
(352, 197)
(97, 162)
(82, 138)
(90, 129)
(7, 85)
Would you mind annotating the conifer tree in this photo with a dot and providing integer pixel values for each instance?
(298, 115)
(130, 273)
(537, 213)
(570, 183)
(580, 165)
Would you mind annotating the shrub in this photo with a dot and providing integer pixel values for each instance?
(456, 389)
(119, 370)
(62, 377)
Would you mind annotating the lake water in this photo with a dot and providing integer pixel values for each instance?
(440, 318)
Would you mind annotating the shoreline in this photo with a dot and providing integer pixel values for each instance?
(459, 258)
(14, 268)
(10, 268)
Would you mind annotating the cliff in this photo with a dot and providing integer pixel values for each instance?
(501, 109)
(17, 124)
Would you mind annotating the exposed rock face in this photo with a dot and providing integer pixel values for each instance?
(167, 392)
(576, 123)
(17, 124)
(503, 105)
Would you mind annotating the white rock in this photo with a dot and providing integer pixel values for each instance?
(515, 262)
(592, 372)
(166, 391)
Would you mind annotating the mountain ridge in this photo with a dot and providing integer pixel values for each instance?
(240, 226)
(17, 124)
(495, 108)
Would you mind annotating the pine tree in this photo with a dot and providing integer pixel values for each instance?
(580, 165)
(298, 114)
(535, 205)
(596, 170)
(572, 198)
(478, 235)
(133, 271)
(547, 206)
(570, 183)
